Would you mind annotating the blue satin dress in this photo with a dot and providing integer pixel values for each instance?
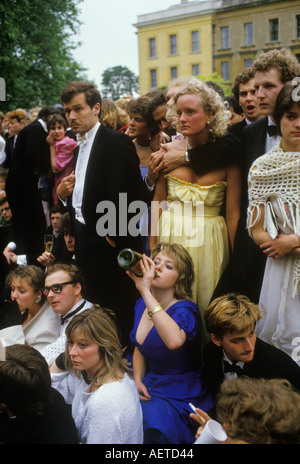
(173, 379)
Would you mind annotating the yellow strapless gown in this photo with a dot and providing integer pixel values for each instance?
(192, 219)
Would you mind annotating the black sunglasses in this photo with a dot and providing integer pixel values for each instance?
(57, 288)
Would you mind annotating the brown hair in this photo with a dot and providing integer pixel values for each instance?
(74, 272)
(139, 106)
(260, 411)
(56, 119)
(24, 381)
(245, 76)
(18, 114)
(284, 101)
(34, 276)
(92, 95)
(286, 64)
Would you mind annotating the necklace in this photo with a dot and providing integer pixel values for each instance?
(164, 307)
(161, 308)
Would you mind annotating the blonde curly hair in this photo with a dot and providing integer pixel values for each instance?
(212, 103)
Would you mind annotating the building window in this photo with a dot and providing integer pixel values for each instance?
(248, 63)
(225, 70)
(173, 44)
(225, 37)
(152, 48)
(298, 26)
(196, 70)
(249, 34)
(153, 77)
(174, 72)
(273, 27)
(195, 41)
(298, 56)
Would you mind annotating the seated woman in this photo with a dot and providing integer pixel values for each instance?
(31, 411)
(33, 321)
(167, 355)
(98, 382)
(61, 150)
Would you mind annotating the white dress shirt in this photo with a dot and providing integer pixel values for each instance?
(51, 351)
(271, 140)
(231, 375)
(80, 171)
(2, 150)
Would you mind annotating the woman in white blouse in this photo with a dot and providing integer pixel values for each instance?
(94, 378)
(37, 324)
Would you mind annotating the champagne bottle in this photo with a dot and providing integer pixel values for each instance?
(130, 259)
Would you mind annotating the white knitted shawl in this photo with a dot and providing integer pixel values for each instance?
(276, 173)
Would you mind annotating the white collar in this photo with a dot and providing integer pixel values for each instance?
(91, 132)
(43, 124)
(74, 307)
(239, 363)
(270, 122)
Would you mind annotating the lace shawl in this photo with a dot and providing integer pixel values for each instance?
(276, 173)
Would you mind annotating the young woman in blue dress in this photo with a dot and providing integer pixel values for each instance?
(167, 337)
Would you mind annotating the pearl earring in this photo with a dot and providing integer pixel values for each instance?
(38, 299)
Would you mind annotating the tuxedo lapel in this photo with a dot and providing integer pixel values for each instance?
(255, 140)
(96, 153)
(95, 165)
(76, 152)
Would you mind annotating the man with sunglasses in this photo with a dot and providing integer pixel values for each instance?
(64, 288)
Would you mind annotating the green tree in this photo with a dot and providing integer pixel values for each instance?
(226, 85)
(117, 82)
(36, 50)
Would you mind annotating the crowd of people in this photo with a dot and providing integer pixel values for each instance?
(207, 189)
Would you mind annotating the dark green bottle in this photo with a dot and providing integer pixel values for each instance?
(130, 260)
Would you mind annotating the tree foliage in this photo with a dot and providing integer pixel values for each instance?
(36, 50)
(117, 82)
(226, 85)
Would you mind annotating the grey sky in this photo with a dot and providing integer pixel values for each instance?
(108, 36)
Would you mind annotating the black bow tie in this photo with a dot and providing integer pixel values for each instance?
(232, 368)
(65, 318)
(273, 130)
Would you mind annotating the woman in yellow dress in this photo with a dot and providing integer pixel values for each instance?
(186, 207)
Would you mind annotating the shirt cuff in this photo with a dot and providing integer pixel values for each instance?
(148, 186)
(64, 202)
(22, 260)
(12, 246)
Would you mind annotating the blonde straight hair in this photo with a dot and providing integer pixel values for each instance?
(98, 325)
(183, 264)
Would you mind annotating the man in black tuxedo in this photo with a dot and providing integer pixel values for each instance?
(234, 349)
(244, 92)
(271, 71)
(31, 159)
(16, 120)
(106, 181)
